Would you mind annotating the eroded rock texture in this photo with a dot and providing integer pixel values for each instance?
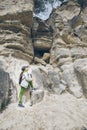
(15, 27)
(5, 87)
(69, 43)
(16, 18)
(67, 30)
(57, 48)
(58, 43)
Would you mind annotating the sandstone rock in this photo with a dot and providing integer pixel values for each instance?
(13, 67)
(69, 42)
(40, 61)
(59, 42)
(78, 52)
(85, 15)
(42, 43)
(71, 79)
(41, 35)
(52, 80)
(37, 96)
(17, 10)
(58, 53)
(76, 21)
(70, 10)
(81, 32)
(10, 39)
(15, 24)
(63, 61)
(5, 86)
(22, 42)
(37, 77)
(65, 33)
(80, 66)
(57, 35)
(38, 93)
(46, 57)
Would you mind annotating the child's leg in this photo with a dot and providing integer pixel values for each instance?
(31, 87)
(31, 84)
(21, 94)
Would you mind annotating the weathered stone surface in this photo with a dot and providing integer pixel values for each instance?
(5, 86)
(38, 94)
(81, 32)
(52, 80)
(53, 41)
(70, 10)
(58, 53)
(59, 42)
(63, 37)
(42, 35)
(63, 61)
(17, 10)
(43, 43)
(69, 42)
(71, 80)
(15, 29)
(39, 61)
(56, 35)
(46, 57)
(81, 72)
(79, 52)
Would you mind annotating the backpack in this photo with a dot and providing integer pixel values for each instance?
(20, 77)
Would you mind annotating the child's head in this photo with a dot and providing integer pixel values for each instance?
(25, 68)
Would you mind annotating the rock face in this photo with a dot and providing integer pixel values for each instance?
(15, 27)
(42, 35)
(67, 29)
(57, 43)
(60, 41)
(5, 87)
(16, 18)
(81, 71)
(69, 43)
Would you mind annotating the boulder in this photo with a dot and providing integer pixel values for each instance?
(38, 93)
(52, 81)
(37, 96)
(39, 61)
(80, 67)
(46, 57)
(78, 52)
(58, 53)
(70, 78)
(5, 87)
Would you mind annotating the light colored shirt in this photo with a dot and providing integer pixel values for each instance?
(27, 76)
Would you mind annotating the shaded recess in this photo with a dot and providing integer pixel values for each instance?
(42, 37)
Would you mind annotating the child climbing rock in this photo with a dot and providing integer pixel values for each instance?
(25, 82)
